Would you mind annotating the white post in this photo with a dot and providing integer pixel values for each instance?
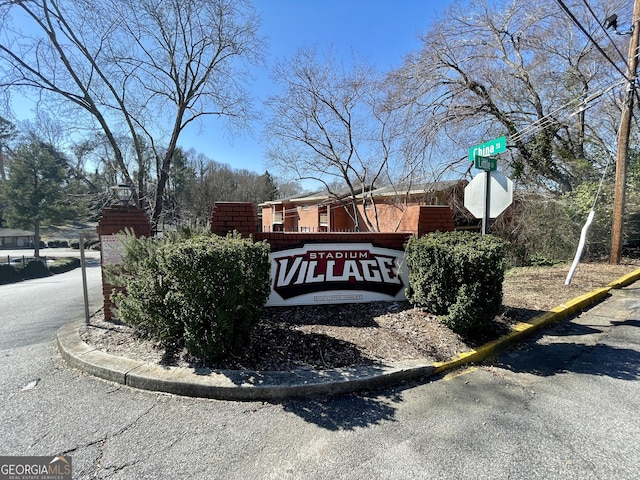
(583, 238)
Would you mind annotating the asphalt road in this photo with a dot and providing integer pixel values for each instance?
(32, 311)
(564, 405)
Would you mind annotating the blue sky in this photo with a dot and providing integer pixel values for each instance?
(380, 31)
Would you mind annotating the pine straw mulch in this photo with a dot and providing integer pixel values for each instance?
(333, 336)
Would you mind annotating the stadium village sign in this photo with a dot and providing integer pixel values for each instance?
(337, 273)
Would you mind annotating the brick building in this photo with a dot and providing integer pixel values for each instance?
(385, 209)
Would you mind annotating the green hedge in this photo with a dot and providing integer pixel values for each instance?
(457, 276)
(65, 264)
(58, 244)
(204, 289)
(35, 269)
(8, 274)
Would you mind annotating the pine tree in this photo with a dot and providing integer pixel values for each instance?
(34, 190)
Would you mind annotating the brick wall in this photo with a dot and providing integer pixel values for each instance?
(285, 240)
(229, 216)
(309, 218)
(416, 220)
(116, 220)
(421, 219)
(340, 219)
(435, 219)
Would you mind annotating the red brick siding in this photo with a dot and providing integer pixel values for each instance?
(415, 219)
(339, 219)
(435, 219)
(116, 220)
(229, 216)
(285, 240)
(308, 218)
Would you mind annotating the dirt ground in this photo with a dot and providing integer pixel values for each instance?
(322, 337)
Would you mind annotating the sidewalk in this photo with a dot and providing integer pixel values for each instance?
(268, 386)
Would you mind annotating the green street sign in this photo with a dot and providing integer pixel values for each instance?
(487, 149)
(487, 164)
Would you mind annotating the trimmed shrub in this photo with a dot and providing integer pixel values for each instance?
(8, 274)
(205, 289)
(35, 269)
(141, 294)
(457, 276)
(66, 264)
(58, 244)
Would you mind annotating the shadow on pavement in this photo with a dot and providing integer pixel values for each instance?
(554, 352)
(345, 412)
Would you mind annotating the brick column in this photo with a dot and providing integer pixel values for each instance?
(115, 220)
(434, 218)
(229, 216)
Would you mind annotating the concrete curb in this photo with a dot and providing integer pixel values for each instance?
(246, 385)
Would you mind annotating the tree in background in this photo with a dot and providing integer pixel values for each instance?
(526, 70)
(487, 69)
(143, 69)
(201, 182)
(7, 133)
(34, 191)
(331, 125)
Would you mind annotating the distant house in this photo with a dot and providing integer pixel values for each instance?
(386, 209)
(14, 238)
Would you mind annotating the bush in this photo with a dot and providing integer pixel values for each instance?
(457, 276)
(61, 265)
(204, 289)
(58, 244)
(35, 269)
(8, 274)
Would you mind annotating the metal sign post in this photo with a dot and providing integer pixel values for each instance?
(83, 265)
(487, 204)
(483, 159)
(487, 196)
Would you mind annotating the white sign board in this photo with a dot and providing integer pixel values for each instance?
(110, 250)
(337, 273)
(500, 194)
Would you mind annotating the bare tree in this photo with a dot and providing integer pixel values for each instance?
(7, 132)
(205, 181)
(144, 69)
(487, 69)
(332, 125)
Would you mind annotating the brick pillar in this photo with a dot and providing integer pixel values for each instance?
(229, 216)
(115, 220)
(435, 219)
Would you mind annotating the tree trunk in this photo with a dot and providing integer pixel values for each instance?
(36, 239)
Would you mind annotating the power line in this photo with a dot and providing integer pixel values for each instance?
(579, 102)
(606, 32)
(588, 35)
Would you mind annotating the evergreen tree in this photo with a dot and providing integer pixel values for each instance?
(34, 191)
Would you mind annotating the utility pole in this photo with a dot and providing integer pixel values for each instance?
(623, 141)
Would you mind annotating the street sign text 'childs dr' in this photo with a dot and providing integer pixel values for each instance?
(337, 273)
